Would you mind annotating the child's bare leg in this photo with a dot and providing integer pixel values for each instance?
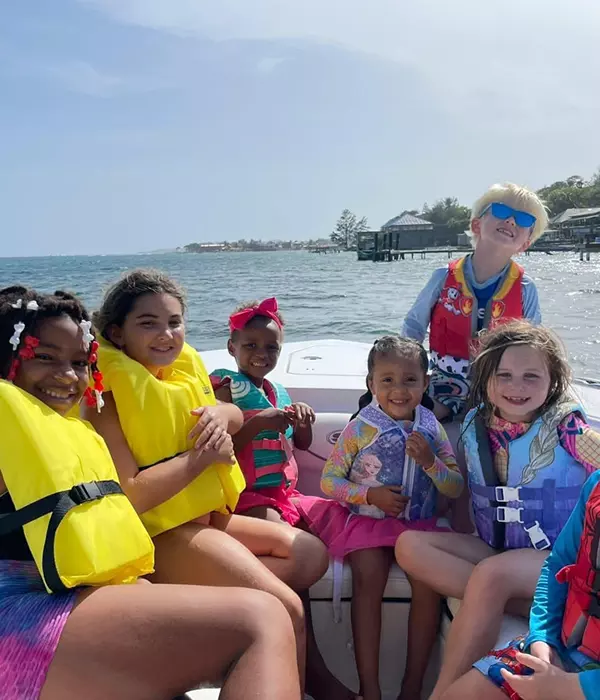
(321, 684)
(440, 411)
(154, 642)
(199, 555)
(423, 624)
(495, 581)
(442, 560)
(294, 556)
(473, 686)
(370, 571)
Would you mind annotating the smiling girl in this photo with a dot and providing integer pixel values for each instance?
(124, 642)
(528, 451)
(385, 476)
(170, 440)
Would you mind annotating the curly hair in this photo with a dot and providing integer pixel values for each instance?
(13, 310)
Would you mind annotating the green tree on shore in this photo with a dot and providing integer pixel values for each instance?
(448, 212)
(347, 228)
(574, 192)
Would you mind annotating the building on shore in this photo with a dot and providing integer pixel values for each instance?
(205, 247)
(245, 246)
(575, 226)
(405, 232)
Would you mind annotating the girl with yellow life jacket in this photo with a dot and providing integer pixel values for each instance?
(170, 442)
(65, 524)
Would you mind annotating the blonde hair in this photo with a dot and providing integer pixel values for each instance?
(517, 197)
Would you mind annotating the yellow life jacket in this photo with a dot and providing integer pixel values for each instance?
(81, 528)
(155, 416)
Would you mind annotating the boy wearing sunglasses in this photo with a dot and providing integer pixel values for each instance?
(470, 294)
(478, 291)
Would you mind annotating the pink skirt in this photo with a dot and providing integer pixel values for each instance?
(283, 499)
(343, 532)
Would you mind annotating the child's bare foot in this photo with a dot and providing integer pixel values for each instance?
(325, 686)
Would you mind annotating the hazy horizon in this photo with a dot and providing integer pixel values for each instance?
(132, 125)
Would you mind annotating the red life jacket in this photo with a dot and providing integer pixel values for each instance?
(454, 317)
(581, 620)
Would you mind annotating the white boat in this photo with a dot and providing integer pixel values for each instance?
(329, 375)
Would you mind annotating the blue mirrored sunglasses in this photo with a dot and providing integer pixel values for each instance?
(503, 212)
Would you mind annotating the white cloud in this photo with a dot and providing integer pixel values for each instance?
(269, 64)
(528, 56)
(83, 78)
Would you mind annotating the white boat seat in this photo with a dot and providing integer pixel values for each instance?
(211, 694)
(511, 626)
(398, 587)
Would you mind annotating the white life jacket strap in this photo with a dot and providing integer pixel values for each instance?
(338, 581)
(408, 475)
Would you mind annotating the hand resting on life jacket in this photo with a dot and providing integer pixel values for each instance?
(301, 413)
(277, 419)
(303, 418)
(388, 499)
(214, 423)
(418, 448)
(200, 459)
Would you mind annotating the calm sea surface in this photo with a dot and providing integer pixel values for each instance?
(323, 296)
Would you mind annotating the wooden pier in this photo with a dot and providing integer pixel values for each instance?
(324, 249)
(389, 254)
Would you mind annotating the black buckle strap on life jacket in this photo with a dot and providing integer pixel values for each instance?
(160, 461)
(490, 476)
(58, 505)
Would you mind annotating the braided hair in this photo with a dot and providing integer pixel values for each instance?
(396, 345)
(21, 311)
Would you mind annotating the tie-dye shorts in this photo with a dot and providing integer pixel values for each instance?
(31, 622)
(449, 384)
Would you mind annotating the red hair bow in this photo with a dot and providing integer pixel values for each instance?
(267, 308)
(27, 352)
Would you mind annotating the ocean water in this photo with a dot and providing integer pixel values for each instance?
(322, 296)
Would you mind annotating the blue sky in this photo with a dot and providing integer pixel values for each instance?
(132, 125)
